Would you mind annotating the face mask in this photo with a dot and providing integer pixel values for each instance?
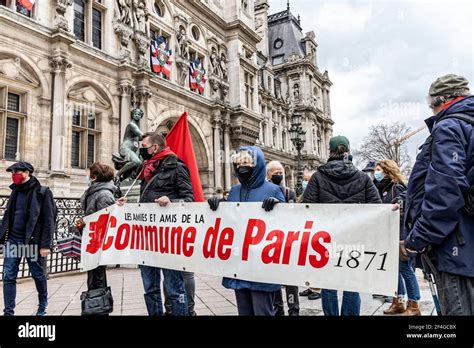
(378, 175)
(144, 153)
(244, 173)
(304, 184)
(277, 179)
(17, 178)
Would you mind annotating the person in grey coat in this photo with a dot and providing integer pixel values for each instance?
(99, 195)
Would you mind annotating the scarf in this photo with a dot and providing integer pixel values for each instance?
(150, 165)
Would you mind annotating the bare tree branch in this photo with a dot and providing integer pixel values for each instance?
(384, 142)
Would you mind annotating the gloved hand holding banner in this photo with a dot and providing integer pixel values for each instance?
(332, 246)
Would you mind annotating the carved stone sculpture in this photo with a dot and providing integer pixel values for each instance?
(128, 160)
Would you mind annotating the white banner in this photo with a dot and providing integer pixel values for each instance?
(350, 247)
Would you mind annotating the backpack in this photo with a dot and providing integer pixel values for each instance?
(469, 198)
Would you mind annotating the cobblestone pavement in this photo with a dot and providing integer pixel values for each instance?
(211, 297)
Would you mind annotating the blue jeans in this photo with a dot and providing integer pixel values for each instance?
(251, 303)
(350, 303)
(11, 265)
(407, 283)
(173, 280)
(456, 294)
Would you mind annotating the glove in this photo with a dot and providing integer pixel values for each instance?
(214, 203)
(269, 203)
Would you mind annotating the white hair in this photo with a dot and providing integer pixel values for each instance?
(272, 164)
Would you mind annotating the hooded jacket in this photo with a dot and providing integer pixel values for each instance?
(255, 190)
(441, 177)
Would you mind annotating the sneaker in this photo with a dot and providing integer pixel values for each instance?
(41, 311)
(314, 296)
(306, 292)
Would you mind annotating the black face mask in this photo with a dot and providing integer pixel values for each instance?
(144, 153)
(244, 173)
(277, 179)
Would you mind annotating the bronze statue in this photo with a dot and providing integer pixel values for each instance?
(128, 160)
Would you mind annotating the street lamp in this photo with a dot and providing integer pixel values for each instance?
(297, 138)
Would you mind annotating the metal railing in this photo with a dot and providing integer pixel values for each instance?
(69, 209)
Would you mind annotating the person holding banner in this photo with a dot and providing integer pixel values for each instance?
(339, 181)
(275, 174)
(390, 183)
(99, 195)
(165, 179)
(253, 298)
(439, 209)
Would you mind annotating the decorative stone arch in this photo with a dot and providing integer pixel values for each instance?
(201, 149)
(84, 90)
(43, 84)
(100, 88)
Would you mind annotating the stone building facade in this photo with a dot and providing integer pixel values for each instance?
(72, 70)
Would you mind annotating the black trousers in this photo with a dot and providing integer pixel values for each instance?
(97, 278)
(291, 298)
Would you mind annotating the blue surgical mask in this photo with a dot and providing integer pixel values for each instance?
(304, 184)
(378, 175)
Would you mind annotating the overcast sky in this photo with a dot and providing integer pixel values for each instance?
(383, 55)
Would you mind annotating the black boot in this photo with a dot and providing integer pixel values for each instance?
(42, 288)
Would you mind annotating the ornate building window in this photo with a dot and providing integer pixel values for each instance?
(79, 20)
(277, 59)
(195, 33)
(22, 9)
(89, 22)
(84, 138)
(249, 90)
(277, 44)
(12, 120)
(97, 28)
(159, 8)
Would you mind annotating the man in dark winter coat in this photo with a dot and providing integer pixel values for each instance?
(339, 181)
(27, 228)
(436, 211)
(275, 175)
(165, 179)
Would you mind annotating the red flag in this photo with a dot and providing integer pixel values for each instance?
(28, 4)
(180, 142)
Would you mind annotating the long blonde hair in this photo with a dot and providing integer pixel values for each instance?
(391, 169)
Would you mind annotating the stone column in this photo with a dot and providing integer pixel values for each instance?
(217, 160)
(327, 137)
(227, 168)
(143, 95)
(125, 89)
(59, 64)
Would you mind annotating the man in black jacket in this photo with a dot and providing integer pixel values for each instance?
(275, 174)
(339, 181)
(165, 179)
(27, 231)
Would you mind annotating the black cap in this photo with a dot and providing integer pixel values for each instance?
(23, 166)
(370, 167)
